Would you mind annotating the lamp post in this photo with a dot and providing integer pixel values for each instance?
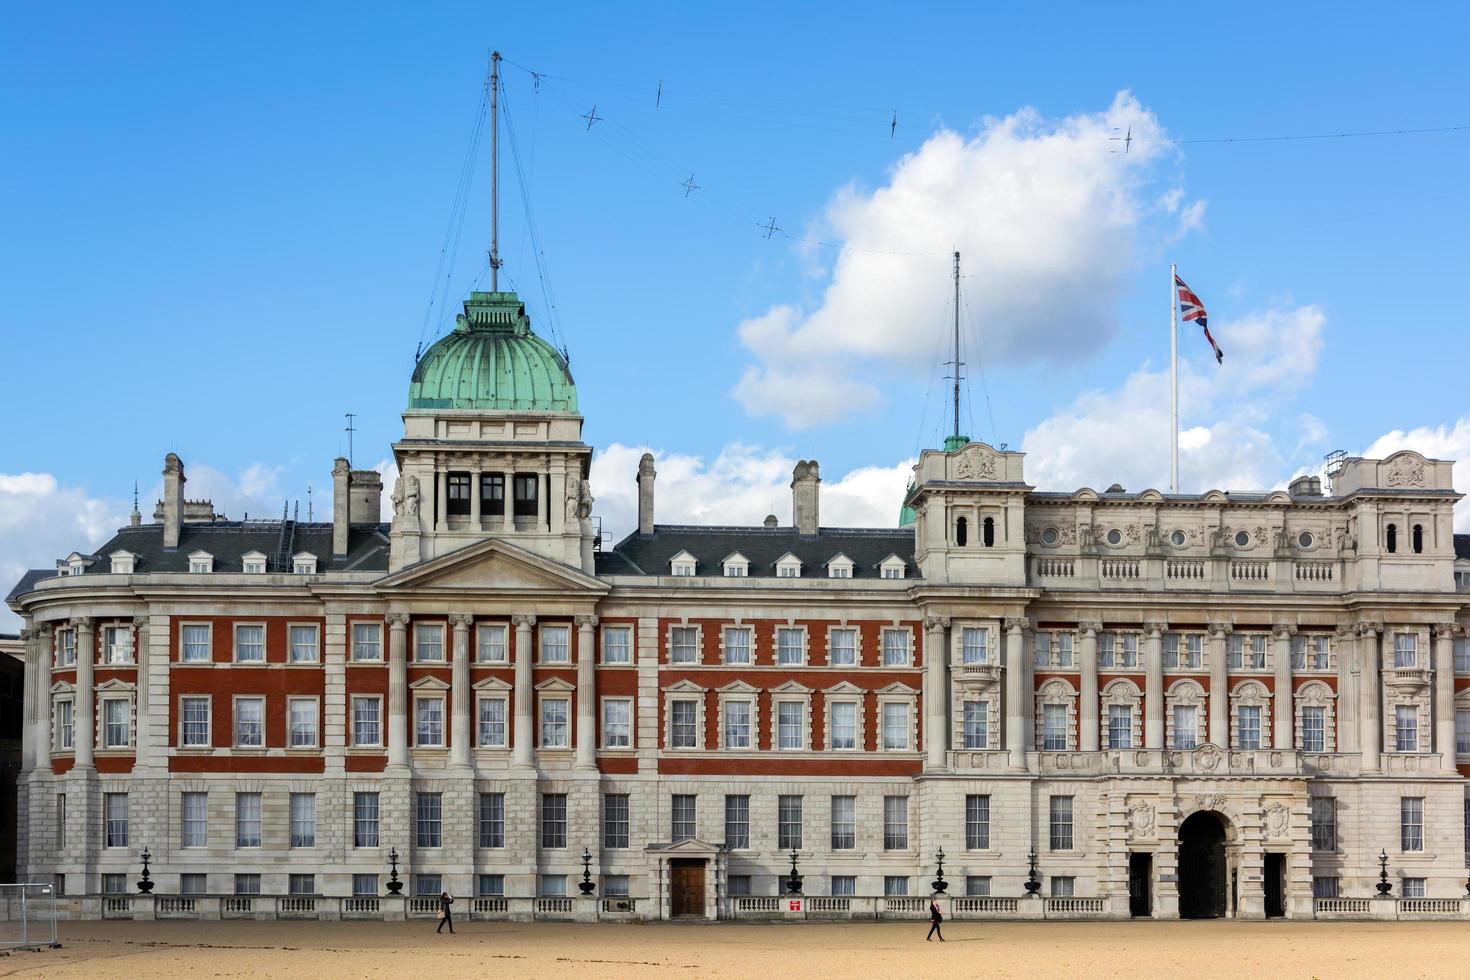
(586, 885)
(939, 884)
(1033, 880)
(145, 883)
(1383, 886)
(394, 885)
(793, 884)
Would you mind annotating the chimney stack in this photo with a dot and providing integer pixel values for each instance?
(365, 494)
(646, 475)
(341, 505)
(173, 499)
(805, 492)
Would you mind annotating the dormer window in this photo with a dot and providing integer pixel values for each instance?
(840, 567)
(123, 562)
(304, 563)
(736, 566)
(893, 567)
(682, 565)
(73, 564)
(788, 566)
(200, 563)
(253, 563)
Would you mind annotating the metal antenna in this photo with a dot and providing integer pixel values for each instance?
(495, 171)
(308, 504)
(957, 362)
(350, 430)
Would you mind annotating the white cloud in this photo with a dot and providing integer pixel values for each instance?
(1437, 442)
(1048, 218)
(741, 485)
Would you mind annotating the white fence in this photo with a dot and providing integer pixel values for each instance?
(27, 915)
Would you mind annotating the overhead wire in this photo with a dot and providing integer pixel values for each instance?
(553, 318)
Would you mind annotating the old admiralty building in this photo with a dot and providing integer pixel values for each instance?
(1226, 703)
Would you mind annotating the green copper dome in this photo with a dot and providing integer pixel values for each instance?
(492, 361)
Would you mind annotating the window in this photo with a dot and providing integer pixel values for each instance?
(1406, 728)
(303, 820)
(117, 645)
(617, 723)
(790, 725)
(66, 647)
(253, 563)
(987, 532)
(683, 644)
(555, 645)
(458, 503)
(1411, 823)
(844, 823)
(1462, 731)
(976, 725)
(973, 644)
(1314, 728)
(1325, 887)
(682, 728)
(1193, 651)
(1041, 650)
(895, 823)
(247, 884)
(1054, 727)
(302, 714)
(193, 820)
(1324, 823)
(1299, 652)
(249, 644)
(788, 822)
(736, 568)
(895, 725)
(843, 648)
(367, 641)
(844, 885)
(65, 733)
(1171, 651)
(555, 723)
(1417, 538)
(843, 724)
(1120, 726)
(114, 884)
(553, 820)
(427, 886)
(193, 884)
(893, 571)
(1248, 726)
(977, 886)
(364, 819)
(682, 821)
(739, 884)
(1063, 886)
(116, 719)
(1413, 887)
(737, 822)
(492, 723)
(737, 724)
(1063, 644)
(194, 644)
(1320, 650)
(788, 645)
(683, 565)
(364, 885)
(303, 644)
(429, 820)
(524, 486)
(896, 886)
(1462, 653)
(1130, 650)
(895, 648)
(428, 722)
(490, 823)
(961, 532)
(201, 564)
(492, 495)
(977, 822)
(303, 565)
(615, 886)
(491, 643)
(428, 642)
(367, 722)
(1404, 652)
(838, 569)
(1061, 823)
(61, 818)
(737, 645)
(490, 886)
(301, 884)
(1186, 726)
(617, 644)
(1105, 649)
(1236, 659)
(249, 723)
(247, 819)
(615, 820)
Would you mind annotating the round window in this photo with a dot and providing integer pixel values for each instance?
(1115, 536)
(1242, 538)
(1305, 539)
(1049, 536)
(1177, 538)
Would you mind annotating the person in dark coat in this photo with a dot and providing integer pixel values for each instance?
(444, 919)
(935, 918)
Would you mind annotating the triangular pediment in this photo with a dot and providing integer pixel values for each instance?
(689, 845)
(494, 684)
(898, 687)
(844, 687)
(791, 687)
(430, 683)
(492, 565)
(738, 687)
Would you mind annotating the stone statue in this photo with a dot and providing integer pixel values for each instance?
(573, 486)
(406, 497)
(584, 501)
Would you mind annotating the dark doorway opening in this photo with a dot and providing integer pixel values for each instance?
(1140, 885)
(686, 887)
(1275, 885)
(1202, 866)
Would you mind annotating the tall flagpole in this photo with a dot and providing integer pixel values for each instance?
(1173, 379)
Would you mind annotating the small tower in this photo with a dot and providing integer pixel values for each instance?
(970, 508)
(136, 517)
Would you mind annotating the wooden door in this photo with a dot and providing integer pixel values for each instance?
(686, 887)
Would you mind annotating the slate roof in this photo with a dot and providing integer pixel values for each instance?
(1462, 546)
(649, 555)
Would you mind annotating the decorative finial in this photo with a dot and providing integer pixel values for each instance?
(135, 518)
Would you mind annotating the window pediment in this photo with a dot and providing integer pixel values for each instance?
(428, 684)
(737, 687)
(62, 687)
(684, 687)
(898, 687)
(844, 687)
(791, 687)
(494, 684)
(115, 684)
(556, 684)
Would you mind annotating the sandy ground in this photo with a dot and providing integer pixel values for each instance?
(1013, 949)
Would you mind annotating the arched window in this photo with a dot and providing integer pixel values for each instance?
(988, 532)
(1418, 539)
(961, 532)
(1392, 539)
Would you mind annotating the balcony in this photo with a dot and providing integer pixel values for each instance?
(976, 677)
(1407, 680)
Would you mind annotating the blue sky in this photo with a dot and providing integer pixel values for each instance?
(223, 225)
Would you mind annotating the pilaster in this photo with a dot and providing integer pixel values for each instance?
(1087, 715)
(586, 758)
(1283, 723)
(398, 690)
(936, 715)
(1153, 695)
(525, 725)
(1444, 693)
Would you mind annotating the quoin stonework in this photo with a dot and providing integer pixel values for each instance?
(1224, 703)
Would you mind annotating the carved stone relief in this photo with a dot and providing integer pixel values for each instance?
(1405, 472)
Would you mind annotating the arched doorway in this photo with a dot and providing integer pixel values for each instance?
(1202, 866)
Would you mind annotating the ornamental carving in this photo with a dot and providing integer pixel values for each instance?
(1405, 472)
(406, 497)
(1276, 818)
(1209, 801)
(975, 462)
(1208, 758)
(1141, 820)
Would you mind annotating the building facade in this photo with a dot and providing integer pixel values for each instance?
(1184, 705)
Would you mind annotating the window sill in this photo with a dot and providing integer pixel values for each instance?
(367, 663)
(367, 749)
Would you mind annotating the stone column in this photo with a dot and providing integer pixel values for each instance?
(1153, 694)
(441, 499)
(1344, 646)
(398, 689)
(461, 697)
(1444, 693)
(1219, 686)
(525, 725)
(1370, 728)
(1283, 720)
(936, 697)
(84, 715)
(475, 491)
(36, 743)
(1015, 693)
(1087, 717)
(586, 757)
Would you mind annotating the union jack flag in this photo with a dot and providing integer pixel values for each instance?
(1193, 309)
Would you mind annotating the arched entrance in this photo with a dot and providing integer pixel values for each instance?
(1202, 866)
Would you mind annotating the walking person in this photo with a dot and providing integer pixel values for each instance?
(444, 918)
(935, 918)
